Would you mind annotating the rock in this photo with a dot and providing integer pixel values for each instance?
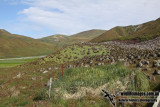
(158, 54)
(95, 51)
(99, 63)
(49, 68)
(101, 59)
(156, 63)
(13, 88)
(47, 84)
(69, 66)
(156, 72)
(88, 53)
(151, 78)
(158, 48)
(86, 66)
(145, 69)
(91, 61)
(75, 57)
(155, 55)
(138, 57)
(56, 68)
(121, 60)
(126, 63)
(146, 62)
(34, 78)
(18, 76)
(82, 64)
(15, 93)
(139, 64)
(45, 72)
(131, 57)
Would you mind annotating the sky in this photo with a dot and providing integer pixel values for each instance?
(40, 18)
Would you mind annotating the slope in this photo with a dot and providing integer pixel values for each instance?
(142, 32)
(61, 40)
(12, 45)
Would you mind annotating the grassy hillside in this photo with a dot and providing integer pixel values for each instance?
(142, 32)
(88, 34)
(62, 40)
(76, 52)
(12, 45)
(80, 85)
(55, 39)
(86, 81)
(11, 62)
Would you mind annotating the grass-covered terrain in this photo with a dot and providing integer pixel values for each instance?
(82, 83)
(63, 40)
(99, 75)
(76, 52)
(12, 62)
(140, 33)
(12, 45)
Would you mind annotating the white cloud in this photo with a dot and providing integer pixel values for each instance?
(73, 16)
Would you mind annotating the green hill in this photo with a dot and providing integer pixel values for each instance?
(12, 45)
(88, 34)
(61, 40)
(142, 32)
(55, 39)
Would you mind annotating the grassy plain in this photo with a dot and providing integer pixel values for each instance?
(6, 63)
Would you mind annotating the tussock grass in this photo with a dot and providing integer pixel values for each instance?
(97, 76)
(91, 77)
(76, 52)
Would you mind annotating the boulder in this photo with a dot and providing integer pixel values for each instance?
(33, 78)
(55, 68)
(17, 76)
(156, 63)
(139, 65)
(15, 93)
(87, 66)
(49, 68)
(146, 62)
(45, 72)
(158, 54)
(101, 59)
(69, 66)
(99, 63)
(156, 72)
(91, 61)
(121, 60)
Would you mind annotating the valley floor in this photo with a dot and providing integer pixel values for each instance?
(12, 62)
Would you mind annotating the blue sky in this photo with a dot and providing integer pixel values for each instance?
(40, 18)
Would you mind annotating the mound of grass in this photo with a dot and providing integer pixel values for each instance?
(75, 78)
(76, 52)
(100, 75)
(91, 77)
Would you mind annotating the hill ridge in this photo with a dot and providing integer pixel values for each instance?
(141, 32)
